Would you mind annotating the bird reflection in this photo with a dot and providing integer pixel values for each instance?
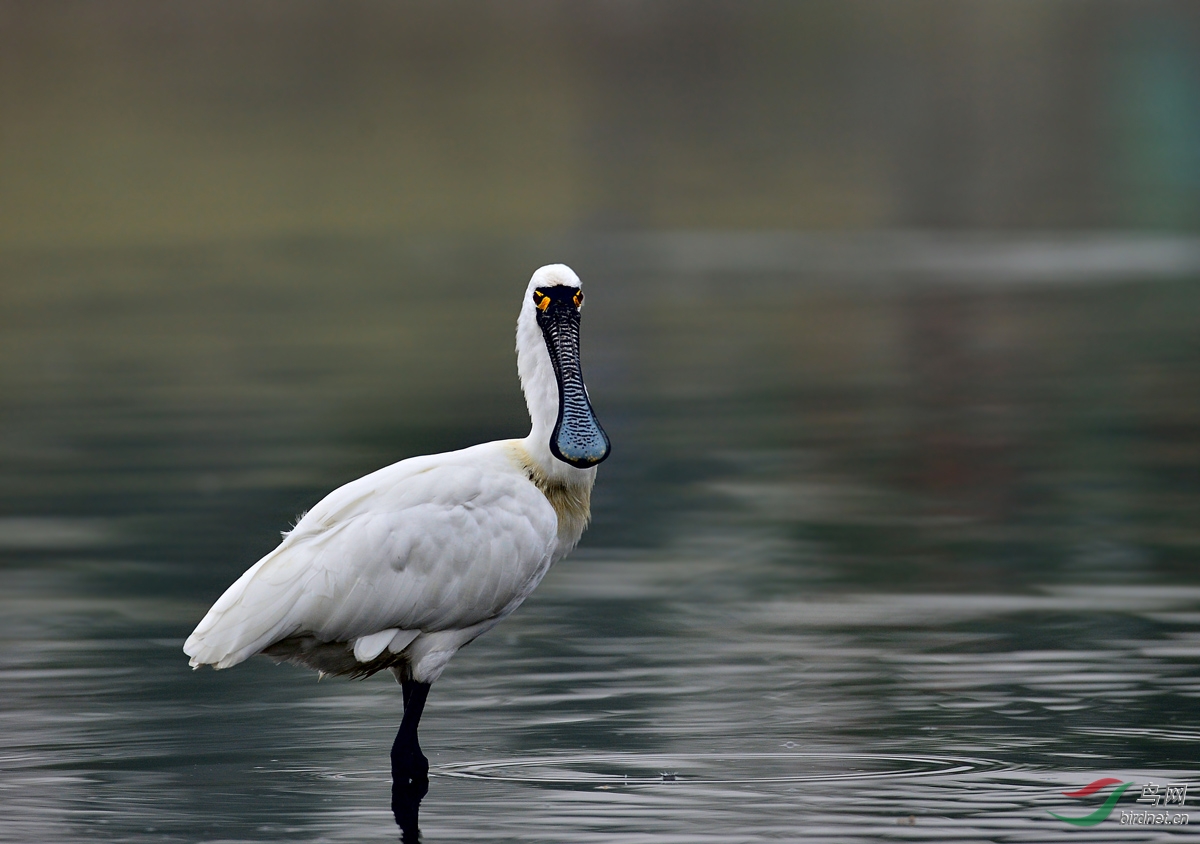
(406, 803)
(410, 784)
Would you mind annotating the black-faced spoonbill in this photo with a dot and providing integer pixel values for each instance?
(401, 568)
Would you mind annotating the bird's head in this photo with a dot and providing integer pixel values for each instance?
(552, 306)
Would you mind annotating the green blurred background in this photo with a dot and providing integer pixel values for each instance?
(166, 121)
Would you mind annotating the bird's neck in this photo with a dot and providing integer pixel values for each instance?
(569, 490)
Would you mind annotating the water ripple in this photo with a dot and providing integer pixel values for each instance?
(609, 769)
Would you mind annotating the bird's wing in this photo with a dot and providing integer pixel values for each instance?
(435, 545)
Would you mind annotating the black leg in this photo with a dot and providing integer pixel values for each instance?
(406, 751)
(410, 768)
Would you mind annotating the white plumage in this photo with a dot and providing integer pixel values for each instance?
(401, 568)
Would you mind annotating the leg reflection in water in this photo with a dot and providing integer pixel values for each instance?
(410, 768)
(406, 803)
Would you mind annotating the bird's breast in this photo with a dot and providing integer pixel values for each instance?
(571, 500)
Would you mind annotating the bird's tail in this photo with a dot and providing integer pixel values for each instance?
(251, 615)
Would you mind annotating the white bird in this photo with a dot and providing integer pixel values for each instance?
(401, 568)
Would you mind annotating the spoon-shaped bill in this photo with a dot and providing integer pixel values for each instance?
(578, 438)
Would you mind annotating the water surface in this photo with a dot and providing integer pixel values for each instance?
(897, 540)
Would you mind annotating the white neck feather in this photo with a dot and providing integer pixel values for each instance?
(539, 382)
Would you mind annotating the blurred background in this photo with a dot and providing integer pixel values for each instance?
(140, 122)
(892, 319)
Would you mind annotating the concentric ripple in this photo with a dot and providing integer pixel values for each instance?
(618, 769)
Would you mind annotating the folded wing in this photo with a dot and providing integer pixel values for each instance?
(424, 545)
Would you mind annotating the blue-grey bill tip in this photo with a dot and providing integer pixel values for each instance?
(582, 445)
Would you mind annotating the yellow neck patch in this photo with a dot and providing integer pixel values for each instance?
(572, 503)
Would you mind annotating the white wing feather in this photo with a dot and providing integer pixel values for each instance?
(428, 544)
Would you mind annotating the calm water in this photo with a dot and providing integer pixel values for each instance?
(898, 539)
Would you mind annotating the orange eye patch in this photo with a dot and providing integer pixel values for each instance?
(540, 300)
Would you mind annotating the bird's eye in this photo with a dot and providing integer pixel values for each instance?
(578, 298)
(540, 300)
